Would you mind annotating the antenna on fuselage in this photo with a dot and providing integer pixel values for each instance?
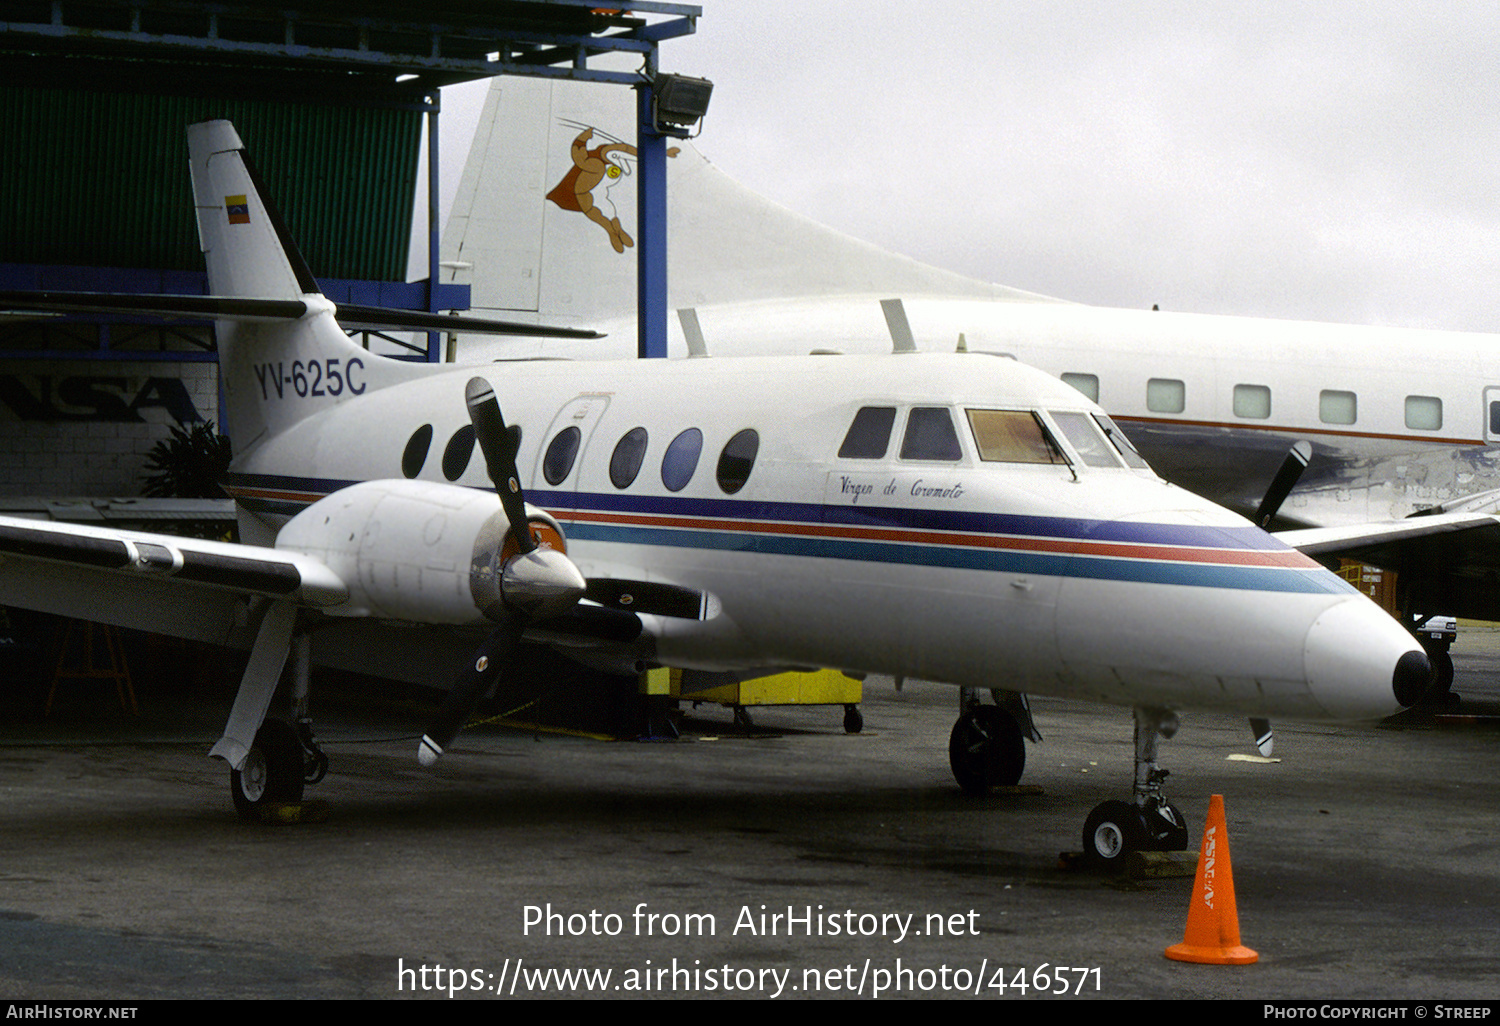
(902, 340)
(692, 331)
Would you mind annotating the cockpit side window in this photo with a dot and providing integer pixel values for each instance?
(1121, 443)
(1013, 436)
(1084, 436)
(930, 435)
(870, 435)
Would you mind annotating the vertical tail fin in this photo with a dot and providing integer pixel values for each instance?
(545, 215)
(274, 372)
(246, 245)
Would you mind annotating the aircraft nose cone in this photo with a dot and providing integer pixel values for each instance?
(1412, 677)
(1360, 663)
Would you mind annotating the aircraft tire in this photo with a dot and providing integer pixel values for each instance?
(986, 749)
(1166, 829)
(272, 772)
(1112, 831)
(1442, 675)
(854, 720)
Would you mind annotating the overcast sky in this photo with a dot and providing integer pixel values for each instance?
(1330, 161)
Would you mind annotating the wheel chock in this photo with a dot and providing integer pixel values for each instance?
(1138, 865)
(295, 812)
(1212, 935)
(1161, 865)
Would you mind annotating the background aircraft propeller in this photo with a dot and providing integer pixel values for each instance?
(1282, 484)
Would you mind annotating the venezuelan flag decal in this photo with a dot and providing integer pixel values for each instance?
(238, 208)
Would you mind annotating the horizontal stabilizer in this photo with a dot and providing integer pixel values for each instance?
(376, 317)
(228, 307)
(237, 308)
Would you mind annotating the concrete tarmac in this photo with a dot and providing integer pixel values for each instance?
(795, 861)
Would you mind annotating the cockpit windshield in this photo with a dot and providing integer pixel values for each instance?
(1085, 438)
(1013, 436)
(1121, 443)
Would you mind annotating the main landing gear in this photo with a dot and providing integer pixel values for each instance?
(270, 760)
(281, 761)
(1149, 823)
(988, 745)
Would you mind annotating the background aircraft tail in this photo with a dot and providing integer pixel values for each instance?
(282, 355)
(544, 221)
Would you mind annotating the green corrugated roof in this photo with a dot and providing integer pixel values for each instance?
(100, 179)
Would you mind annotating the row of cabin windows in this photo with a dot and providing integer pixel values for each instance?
(678, 464)
(1253, 402)
(1001, 436)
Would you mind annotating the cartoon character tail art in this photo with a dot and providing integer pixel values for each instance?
(591, 167)
(536, 190)
(282, 355)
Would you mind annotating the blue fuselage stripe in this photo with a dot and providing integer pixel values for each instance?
(1143, 571)
(283, 496)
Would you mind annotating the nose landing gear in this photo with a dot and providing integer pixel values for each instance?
(1149, 823)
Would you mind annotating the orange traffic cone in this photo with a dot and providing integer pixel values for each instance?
(1213, 923)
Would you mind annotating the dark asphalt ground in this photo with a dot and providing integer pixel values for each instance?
(1366, 862)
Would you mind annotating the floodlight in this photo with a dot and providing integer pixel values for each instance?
(678, 102)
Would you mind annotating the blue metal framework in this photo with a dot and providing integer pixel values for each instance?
(441, 44)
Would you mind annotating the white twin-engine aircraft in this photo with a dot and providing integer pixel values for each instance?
(951, 517)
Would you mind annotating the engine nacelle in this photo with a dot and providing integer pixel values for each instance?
(414, 550)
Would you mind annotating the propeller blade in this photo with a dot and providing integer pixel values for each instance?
(471, 685)
(499, 443)
(648, 597)
(1265, 741)
(1285, 480)
(591, 623)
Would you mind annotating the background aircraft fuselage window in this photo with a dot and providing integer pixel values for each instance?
(1424, 412)
(1337, 407)
(1088, 384)
(1166, 395)
(1252, 401)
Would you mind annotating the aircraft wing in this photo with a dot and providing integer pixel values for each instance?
(1394, 538)
(1447, 562)
(201, 590)
(181, 586)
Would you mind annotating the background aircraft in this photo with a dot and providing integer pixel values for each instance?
(928, 515)
(1400, 421)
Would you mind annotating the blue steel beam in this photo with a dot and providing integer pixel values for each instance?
(520, 52)
(651, 232)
